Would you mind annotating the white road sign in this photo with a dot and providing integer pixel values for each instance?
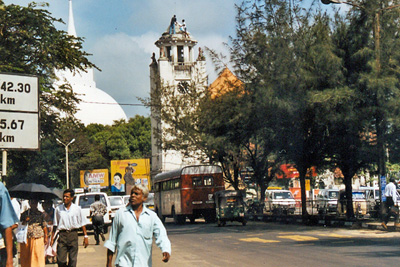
(19, 112)
(19, 93)
(19, 130)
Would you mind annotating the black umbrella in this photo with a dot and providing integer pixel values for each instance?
(32, 191)
(58, 192)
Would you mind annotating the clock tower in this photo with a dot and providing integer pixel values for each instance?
(177, 67)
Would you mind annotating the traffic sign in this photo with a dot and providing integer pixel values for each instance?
(19, 130)
(19, 93)
(19, 111)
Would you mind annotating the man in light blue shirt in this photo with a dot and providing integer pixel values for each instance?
(7, 219)
(132, 232)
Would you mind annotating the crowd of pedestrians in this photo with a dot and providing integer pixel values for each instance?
(52, 233)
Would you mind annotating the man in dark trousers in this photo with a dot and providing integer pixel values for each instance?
(391, 203)
(68, 219)
(172, 25)
(97, 211)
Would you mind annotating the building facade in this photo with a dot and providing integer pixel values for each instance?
(178, 66)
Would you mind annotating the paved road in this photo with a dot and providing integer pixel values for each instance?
(267, 244)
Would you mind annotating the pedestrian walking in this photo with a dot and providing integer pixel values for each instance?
(7, 219)
(132, 232)
(68, 219)
(391, 203)
(32, 252)
(97, 211)
(50, 252)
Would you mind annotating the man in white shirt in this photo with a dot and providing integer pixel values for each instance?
(68, 219)
(391, 203)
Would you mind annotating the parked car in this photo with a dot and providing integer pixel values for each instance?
(373, 202)
(116, 203)
(86, 199)
(126, 199)
(327, 201)
(359, 203)
(149, 203)
(279, 202)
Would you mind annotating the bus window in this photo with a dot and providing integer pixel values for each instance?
(169, 185)
(176, 184)
(196, 181)
(208, 180)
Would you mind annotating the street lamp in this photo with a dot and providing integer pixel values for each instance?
(66, 158)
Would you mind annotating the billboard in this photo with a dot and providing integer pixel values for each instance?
(94, 179)
(126, 173)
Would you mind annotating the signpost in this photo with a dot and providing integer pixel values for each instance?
(19, 112)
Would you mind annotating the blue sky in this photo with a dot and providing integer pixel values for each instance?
(121, 34)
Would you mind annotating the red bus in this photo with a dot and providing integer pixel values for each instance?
(187, 192)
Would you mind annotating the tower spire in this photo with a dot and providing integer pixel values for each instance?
(71, 24)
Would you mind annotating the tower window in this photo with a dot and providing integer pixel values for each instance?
(180, 54)
(168, 48)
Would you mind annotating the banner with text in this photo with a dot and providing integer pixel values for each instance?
(92, 179)
(125, 173)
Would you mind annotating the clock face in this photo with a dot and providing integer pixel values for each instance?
(183, 87)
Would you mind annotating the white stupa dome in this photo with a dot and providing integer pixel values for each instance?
(96, 106)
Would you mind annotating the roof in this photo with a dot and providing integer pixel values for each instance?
(225, 82)
(196, 169)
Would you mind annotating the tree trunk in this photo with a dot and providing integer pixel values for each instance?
(349, 195)
(302, 177)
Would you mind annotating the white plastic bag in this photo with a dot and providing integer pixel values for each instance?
(22, 232)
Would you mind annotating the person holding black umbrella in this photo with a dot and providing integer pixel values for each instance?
(32, 252)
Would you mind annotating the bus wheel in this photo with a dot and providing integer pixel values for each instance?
(178, 219)
(210, 217)
(192, 218)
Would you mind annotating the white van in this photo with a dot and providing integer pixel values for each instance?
(86, 199)
(279, 202)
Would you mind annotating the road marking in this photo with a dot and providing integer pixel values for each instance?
(336, 235)
(259, 240)
(298, 237)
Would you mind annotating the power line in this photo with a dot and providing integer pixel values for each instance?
(120, 104)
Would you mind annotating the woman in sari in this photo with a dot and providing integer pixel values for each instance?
(32, 253)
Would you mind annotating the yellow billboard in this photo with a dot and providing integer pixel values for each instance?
(94, 178)
(126, 173)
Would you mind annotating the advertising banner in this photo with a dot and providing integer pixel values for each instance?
(125, 173)
(94, 179)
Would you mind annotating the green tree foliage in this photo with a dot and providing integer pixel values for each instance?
(31, 44)
(223, 122)
(277, 52)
